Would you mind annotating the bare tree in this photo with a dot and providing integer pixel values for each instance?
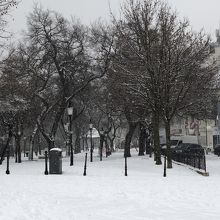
(5, 8)
(63, 44)
(167, 61)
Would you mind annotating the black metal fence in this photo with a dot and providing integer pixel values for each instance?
(194, 160)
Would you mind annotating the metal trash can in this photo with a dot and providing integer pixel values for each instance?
(55, 161)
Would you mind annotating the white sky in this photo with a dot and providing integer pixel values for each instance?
(201, 13)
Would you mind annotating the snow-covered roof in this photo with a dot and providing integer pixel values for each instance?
(55, 149)
(95, 133)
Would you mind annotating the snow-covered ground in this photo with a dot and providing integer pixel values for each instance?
(106, 194)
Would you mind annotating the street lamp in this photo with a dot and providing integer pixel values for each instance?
(165, 166)
(70, 113)
(84, 173)
(85, 164)
(126, 166)
(91, 145)
(8, 156)
(46, 159)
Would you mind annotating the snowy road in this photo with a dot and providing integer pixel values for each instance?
(106, 194)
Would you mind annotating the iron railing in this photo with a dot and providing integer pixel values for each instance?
(194, 160)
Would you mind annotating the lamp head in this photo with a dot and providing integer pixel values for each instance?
(90, 126)
(70, 111)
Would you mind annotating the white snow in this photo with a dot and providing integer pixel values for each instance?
(106, 194)
(95, 133)
(55, 149)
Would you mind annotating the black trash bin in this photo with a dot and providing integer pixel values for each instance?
(55, 161)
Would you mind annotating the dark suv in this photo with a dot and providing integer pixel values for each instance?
(189, 148)
(217, 149)
(173, 145)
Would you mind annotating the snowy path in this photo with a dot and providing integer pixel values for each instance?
(106, 194)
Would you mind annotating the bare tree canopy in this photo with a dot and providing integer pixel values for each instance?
(5, 7)
(161, 60)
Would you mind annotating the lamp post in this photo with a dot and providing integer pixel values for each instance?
(84, 173)
(46, 168)
(126, 166)
(70, 113)
(165, 166)
(86, 154)
(8, 155)
(91, 145)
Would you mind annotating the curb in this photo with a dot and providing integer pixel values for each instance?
(203, 173)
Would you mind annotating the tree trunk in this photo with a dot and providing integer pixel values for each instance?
(106, 146)
(51, 143)
(32, 137)
(31, 150)
(57, 119)
(86, 143)
(39, 143)
(111, 141)
(128, 139)
(156, 138)
(16, 151)
(102, 138)
(49, 139)
(18, 148)
(77, 141)
(24, 147)
(112, 144)
(142, 139)
(83, 141)
(6, 145)
(147, 143)
(168, 150)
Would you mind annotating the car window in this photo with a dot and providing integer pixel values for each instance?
(197, 146)
(173, 142)
(182, 146)
(193, 146)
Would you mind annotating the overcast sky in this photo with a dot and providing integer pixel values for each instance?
(201, 13)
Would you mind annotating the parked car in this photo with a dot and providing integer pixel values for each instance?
(176, 140)
(173, 145)
(189, 148)
(217, 149)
